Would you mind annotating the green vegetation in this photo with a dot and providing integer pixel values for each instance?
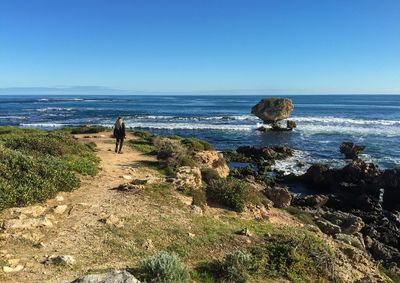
(87, 130)
(171, 151)
(230, 192)
(35, 165)
(235, 266)
(163, 267)
(234, 193)
(302, 215)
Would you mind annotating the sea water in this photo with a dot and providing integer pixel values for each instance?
(324, 121)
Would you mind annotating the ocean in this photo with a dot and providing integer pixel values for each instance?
(324, 121)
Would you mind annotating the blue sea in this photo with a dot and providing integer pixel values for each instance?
(324, 121)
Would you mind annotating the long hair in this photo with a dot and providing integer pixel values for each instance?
(118, 123)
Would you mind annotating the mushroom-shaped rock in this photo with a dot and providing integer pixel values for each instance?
(272, 110)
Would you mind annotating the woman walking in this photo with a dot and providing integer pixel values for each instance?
(119, 134)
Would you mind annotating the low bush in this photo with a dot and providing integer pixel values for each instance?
(300, 258)
(235, 266)
(88, 130)
(172, 153)
(35, 165)
(230, 192)
(144, 135)
(25, 180)
(209, 174)
(163, 267)
(199, 197)
(194, 144)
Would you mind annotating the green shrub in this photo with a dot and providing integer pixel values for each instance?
(172, 153)
(35, 165)
(88, 130)
(144, 135)
(194, 144)
(235, 266)
(300, 258)
(163, 267)
(199, 197)
(25, 180)
(230, 192)
(209, 174)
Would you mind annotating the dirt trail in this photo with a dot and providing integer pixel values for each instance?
(74, 230)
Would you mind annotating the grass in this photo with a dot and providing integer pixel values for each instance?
(300, 214)
(35, 165)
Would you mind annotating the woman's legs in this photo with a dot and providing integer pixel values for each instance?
(121, 142)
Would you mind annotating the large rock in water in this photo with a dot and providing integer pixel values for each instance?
(271, 110)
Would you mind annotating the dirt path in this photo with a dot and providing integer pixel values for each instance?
(74, 221)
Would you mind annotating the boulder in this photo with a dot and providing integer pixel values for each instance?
(351, 150)
(113, 276)
(348, 223)
(271, 110)
(188, 177)
(391, 182)
(314, 201)
(281, 197)
(328, 227)
(213, 160)
(291, 124)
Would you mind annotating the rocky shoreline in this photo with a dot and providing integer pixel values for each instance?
(358, 204)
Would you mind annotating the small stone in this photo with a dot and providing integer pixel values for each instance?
(127, 177)
(196, 209)
(112, 220)
(245, 232)
(60, 209)
(8, 269)
(148, 244)
(191, 235)
(61, 260)
(59, 198)
(14, 261)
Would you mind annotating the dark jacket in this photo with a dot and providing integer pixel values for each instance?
(120, 133)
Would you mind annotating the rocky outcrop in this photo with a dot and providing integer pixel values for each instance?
(351, 150)
(113, 276)
(188, 177)
(313, 201)
(281, 197)
(213, 160)
(271, 110)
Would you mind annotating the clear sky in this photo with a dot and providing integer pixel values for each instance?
(273, 46)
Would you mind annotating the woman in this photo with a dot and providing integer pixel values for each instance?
(119, 134)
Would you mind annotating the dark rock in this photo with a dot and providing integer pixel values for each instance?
(348, 223)
(351, 150)
(291, 124)
(328, 227)
(384, 252)
(281, 197)
(314, 201)
(271, 110)
(391, 183)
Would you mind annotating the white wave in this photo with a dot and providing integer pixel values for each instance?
(13, 117)
(51, 109)
(198, 118)
(338, 120)
(59, 99)
(299, 163)
(350, 130)
(43, 125)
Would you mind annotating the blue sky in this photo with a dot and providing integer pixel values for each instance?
(249, 46)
